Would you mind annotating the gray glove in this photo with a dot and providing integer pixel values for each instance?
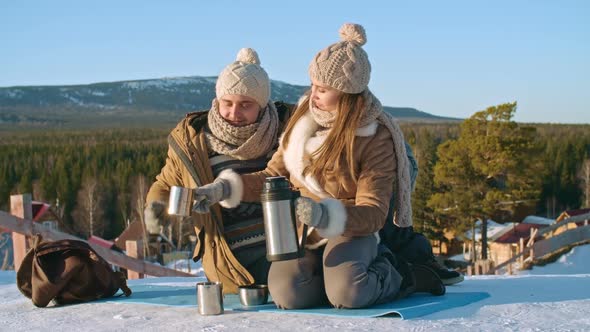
(211, 193)
(155, 217)
(311, 213)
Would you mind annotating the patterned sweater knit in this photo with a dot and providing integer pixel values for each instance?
(244, 224)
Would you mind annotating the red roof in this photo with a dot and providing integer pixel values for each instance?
(578, 212)
(101, 242)
(572, 213)
(521, 230)
(39, 208)
(134, 231)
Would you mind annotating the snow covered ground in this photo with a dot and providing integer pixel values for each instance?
(551, 298)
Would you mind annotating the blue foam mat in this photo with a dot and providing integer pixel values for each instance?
(414, 306)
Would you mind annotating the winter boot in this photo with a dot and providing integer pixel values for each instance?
(427, 281)
(408, 285)
(448, 277)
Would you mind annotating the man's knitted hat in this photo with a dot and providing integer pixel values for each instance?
(344, 65)
(244, 77)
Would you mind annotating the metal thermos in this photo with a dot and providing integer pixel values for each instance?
(278, 208)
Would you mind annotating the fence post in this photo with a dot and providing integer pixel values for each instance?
(485, 266)
(134, 249)
(531, 243)
(509, 268)
(20, 206)
(522, 251)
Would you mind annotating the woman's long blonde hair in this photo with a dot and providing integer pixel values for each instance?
(337, 149)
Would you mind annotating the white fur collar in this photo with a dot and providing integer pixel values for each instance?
(303, 140)
(368, 130)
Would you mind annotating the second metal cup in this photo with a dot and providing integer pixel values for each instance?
(210, 298)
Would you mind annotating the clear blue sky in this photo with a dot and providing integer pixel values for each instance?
(450, 58)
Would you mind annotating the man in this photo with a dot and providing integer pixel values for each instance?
(239, 132)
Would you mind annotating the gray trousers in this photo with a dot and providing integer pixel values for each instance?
(348, 273)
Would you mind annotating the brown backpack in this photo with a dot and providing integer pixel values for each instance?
(67, 271)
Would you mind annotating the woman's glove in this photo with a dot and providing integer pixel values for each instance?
(211, 193)
(311, 213)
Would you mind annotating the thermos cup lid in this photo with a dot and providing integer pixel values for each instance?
(276, 182)
(277, 188)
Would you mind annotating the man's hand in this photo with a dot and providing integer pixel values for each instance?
(211, 193)
(155, 217)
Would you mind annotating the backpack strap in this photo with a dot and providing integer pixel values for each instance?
(122, 283)
(189, 166)
(184, 158)
(282, 109)
(197, 120)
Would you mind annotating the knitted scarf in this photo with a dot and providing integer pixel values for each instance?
(373, 111)
(243, 143)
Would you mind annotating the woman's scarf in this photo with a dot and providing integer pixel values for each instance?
(373, 111)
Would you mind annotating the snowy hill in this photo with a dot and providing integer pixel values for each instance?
(59, 105)
(539, 300)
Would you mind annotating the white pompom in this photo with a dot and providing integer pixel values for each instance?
(248, 55)
(354, 33)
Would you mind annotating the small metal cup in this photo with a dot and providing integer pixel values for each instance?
(210, 298)
(252, 295)
(180, 202)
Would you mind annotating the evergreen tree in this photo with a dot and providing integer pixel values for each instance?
(487, 170)
(584, 175)
(25, 184)
(425, 151)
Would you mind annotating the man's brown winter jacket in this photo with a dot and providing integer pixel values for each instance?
(218, 260)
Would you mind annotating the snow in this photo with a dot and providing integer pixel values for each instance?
(555, 297)
(574, 262)
(538, 220)
(74, 100)
(167, 82)
(493, 228)
(187, 265)
(98, 93)
(13, 93)
(496, 229)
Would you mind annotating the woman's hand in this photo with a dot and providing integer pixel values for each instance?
(311, 213)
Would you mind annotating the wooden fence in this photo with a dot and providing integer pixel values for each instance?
(549, 244)
(23, 227)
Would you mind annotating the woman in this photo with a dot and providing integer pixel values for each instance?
(347, 158)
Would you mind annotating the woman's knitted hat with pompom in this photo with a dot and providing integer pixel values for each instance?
(244, 77)
(344, 65)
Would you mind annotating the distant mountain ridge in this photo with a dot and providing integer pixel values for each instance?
(178, 95)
